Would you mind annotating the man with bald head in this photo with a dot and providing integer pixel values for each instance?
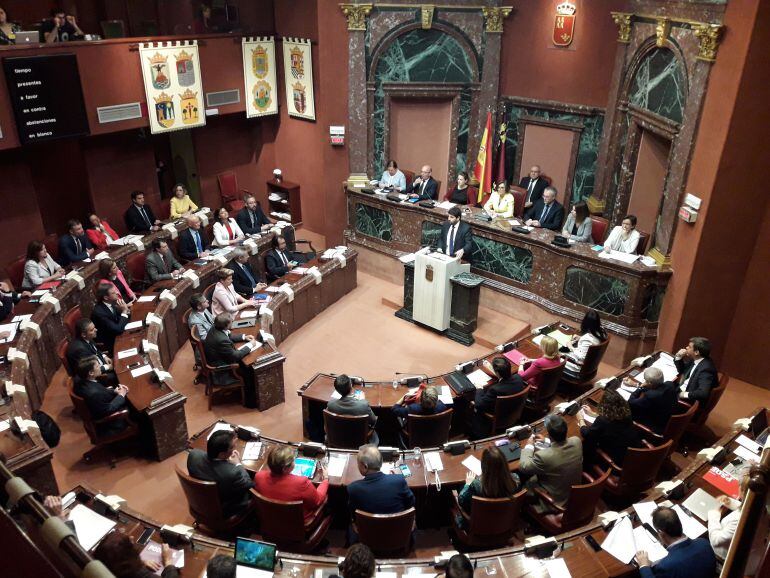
(535, 186)
(424, 187)
(378, 493)
(193, 243)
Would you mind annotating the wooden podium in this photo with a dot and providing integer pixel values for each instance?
(441, 293)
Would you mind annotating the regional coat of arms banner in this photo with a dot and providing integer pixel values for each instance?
(298, 76)
(259, 75)
(172, 85)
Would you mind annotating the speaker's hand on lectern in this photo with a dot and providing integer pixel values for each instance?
(459, 254)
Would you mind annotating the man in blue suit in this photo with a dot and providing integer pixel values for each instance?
(378, 493)
(74, 246)
(686, 558)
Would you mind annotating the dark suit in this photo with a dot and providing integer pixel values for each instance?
(7, 301)
(188, 250)
(275, 265)
(463, 239)
(687, 559)
(349, 405)
(427, 193)
(245, 218)
(612, 436)
(703, 378)
(159, 267)
(244, 285)
(101, 402)
(80, 348)
(379, 493)
(109, 324)
(485, 398)
(68, 251)
(135, 221)
(233, 482)
(537, 193)
(220, 350)
(653, 407)
(553, 218)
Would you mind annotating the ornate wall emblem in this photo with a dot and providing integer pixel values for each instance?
(564, 24)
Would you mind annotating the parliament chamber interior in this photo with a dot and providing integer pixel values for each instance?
(308, 289)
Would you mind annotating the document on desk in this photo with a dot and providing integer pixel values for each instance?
(478, 378)
(147, 298)
(251, 345)
(11, 329)
(562, 338)
(248, 314)
(90, 527)
(691, 527)
(20, 318)
(408, 258)
(5, 424)
(219, 426)
(433, 461)
(473, 464)
(644, 510)
(557, 568)
(643, 540)
(746, 455)
(252, 451)
(133, 325)
(152, 552)
(337, 465)
(127, 353)
(666, 364)
(749, 444)
(139, 371)
(446, 205)
(620, 541)
(618, 256)
(271, 289)
(445, 395)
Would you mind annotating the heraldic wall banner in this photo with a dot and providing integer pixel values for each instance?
(172, 85)
(259, 75)
(298, 75)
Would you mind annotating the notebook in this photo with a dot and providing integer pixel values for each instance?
(254, 559)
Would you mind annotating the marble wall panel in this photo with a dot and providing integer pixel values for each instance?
(374, 222)
(430, 234)
(660, 84)
(502, 259)
(588, 148)
(653, 302)
(594, 290)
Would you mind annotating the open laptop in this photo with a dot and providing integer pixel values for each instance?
(28, 37)
(700, 502)
(254, 559)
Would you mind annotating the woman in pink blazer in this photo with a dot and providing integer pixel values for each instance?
(100, 233)
(224, 298)
(533, 374)
(110, 274)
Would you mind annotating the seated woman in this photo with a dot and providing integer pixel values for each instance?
(278, 483)
(462, 193)
(225, 299)
(181, 203)
(100, 233)
(496, 480)
(623, 238)
(722, 530)
(40, 267)
(428, 404)
(591, 333)
(8, 29)
(578, 225)
(226, 230)
(110, 273)
(531, 370)
(500, 203)
(392, 177)
(120, 555)
(613, 431)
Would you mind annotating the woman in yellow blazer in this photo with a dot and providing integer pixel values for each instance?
(500, 203)
(181, 203)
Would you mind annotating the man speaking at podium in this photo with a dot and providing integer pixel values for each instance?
(456, 239)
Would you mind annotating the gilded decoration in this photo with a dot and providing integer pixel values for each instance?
(662, 30)
(426, 16)
(356, 14)
(494, 18)
(708, 36)
(623, 21)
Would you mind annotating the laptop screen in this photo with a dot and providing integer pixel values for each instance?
(304, 467)
(255, 554)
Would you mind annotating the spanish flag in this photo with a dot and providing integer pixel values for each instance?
(482, 172)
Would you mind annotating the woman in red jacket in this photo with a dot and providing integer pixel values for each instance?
(278, 483)
(110, 274)
(100, 233)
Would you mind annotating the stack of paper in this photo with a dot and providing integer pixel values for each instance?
(563, 339)
(666, 364)
(90, 527)
(337, 464)
(139, 371)
(624, 541)
(618, 256)
(146, 299)
(133, 325)
(219, 426)
(473, 464)
(252, 451)
(248, 314)
(446, 205)
(478, 378)
(445, 395)
(691, 527)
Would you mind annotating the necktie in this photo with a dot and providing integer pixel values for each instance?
(78, 246)
(545, 213)
(283, 258)
(253, 221)
(529, 189)
(687, 374)
(163, 261)
(422, 187)
(96, 352)
(249, 275)
(452, 240)
(144, 216)
(198, 244)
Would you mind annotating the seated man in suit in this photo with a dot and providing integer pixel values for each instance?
(654, 402)
(686, 558)
(424, 187)
(8, 299)
(161, 263)
(84, 346)
(347, 404)
(378, 493)
(193, 242)
(139, 217)
(456, 239)
(101, 401)
(221, 463)
(74, 246)
(554, 468)
(219, 346)
(110, 315)
(535, 186)
(245, 280)
(200, 316)
(697, 373)
(278, 261)
(547, 212)
(506, 384)
(253, 221)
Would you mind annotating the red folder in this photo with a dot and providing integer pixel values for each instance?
(49, 285)
(514, 356)
(723, 481)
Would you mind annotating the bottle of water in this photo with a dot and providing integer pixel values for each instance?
(417, 454)
(395, 383)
